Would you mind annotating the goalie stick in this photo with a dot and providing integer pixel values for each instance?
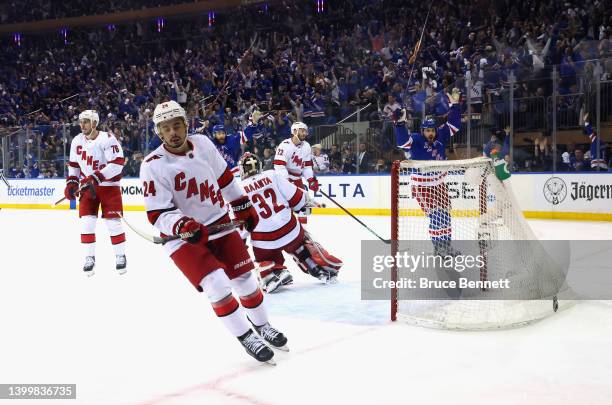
(159, 240)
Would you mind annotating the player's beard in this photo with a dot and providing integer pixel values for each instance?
(177, 144)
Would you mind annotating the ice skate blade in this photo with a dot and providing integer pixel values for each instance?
(89, 273)
(270, 362)
(121, 271)
(284, 348)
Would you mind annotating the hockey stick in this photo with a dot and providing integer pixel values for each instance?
(418, 45)
(76, 193)
(387, 241)
(232, 74)
(4, 180)
(356, 112)
(159, 240)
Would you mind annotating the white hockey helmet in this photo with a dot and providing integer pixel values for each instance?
(166, 111)
(90, 115)
(297, 126)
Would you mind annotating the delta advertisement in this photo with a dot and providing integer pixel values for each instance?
(553, 196)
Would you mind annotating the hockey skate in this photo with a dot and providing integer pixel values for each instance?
(88, 268)
(270, 283)
(325, 274)
(445, 248)
(284, 276)
(256, 347)
(272, 336)
(121, 263)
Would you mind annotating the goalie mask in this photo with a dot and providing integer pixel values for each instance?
(250, 165)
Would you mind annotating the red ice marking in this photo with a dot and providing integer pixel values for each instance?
(215, 385)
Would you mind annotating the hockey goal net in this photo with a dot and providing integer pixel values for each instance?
(438, 204)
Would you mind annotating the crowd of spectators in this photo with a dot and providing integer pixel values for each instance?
(36, 10)
(300, 65)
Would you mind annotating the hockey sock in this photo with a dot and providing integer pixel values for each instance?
(88, 234)
(217, 288)
(251, 298)
(117, 235)
(439, 224)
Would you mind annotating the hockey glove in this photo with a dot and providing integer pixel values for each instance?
(244, 211)
(455, 96)
(88, 184)
(199, 232)
(72, 185)
(313, 184)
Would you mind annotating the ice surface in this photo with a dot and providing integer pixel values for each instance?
(148, 337)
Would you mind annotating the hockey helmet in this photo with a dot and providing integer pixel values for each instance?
(429, 123)
(218, 128)
(90, 115)
(296, 126)
(250, 165)
(166, 111)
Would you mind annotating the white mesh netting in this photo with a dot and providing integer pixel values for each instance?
(445, 201)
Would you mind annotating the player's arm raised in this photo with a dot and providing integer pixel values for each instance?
(453, 121)
(403, 137)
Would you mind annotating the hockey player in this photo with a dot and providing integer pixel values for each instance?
(276, 199)
(598, 150)
(186, 183)
(94, 173)
(429, 189)
(293, 158)
(228, 146)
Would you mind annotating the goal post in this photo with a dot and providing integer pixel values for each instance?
(437, 206)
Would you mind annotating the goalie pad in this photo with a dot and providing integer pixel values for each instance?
(322, 257)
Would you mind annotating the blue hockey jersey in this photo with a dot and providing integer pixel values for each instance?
(419, 148)
(229, 150)
(598, 150)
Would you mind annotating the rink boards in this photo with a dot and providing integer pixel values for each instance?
(573, 196)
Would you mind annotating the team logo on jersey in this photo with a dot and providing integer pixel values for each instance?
(296, 160)
(555, 190)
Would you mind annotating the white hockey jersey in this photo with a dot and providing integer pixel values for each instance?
(274, 198)
(321, 163)
(293, 161)
(103, 156)
(195, 185)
